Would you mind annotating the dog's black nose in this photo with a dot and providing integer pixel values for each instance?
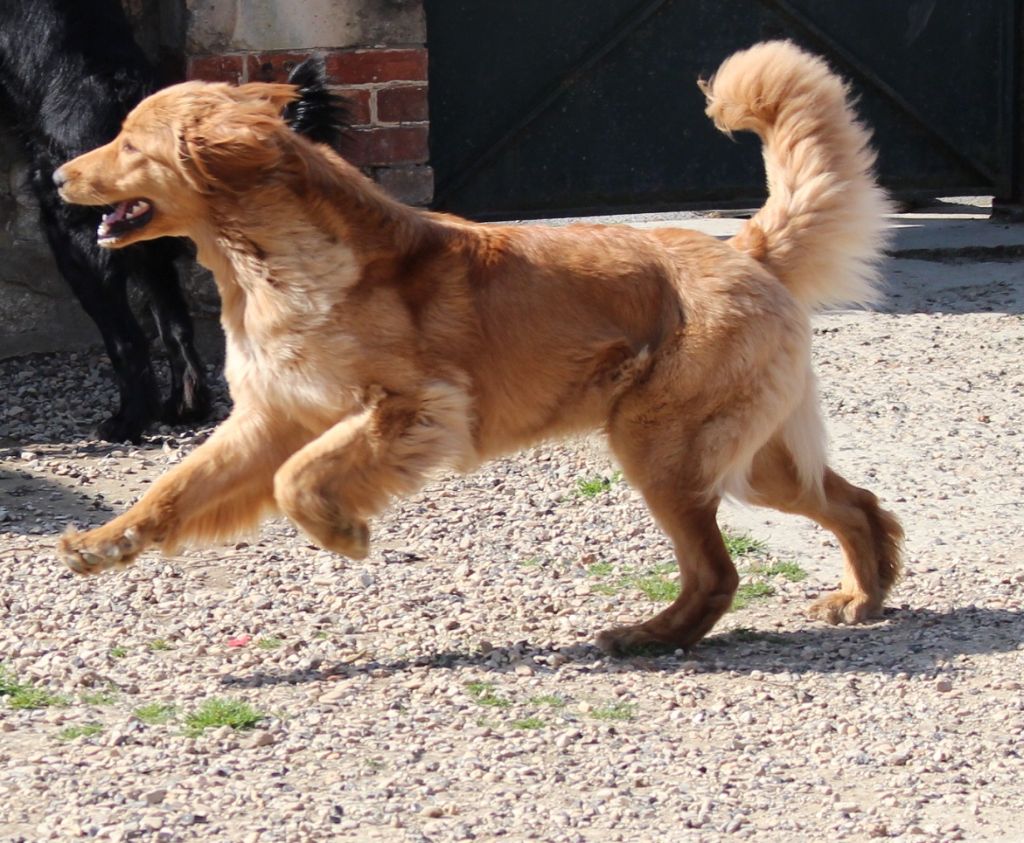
(59, 179)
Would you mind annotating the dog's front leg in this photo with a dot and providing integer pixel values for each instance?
(334, 484)
(220, 489)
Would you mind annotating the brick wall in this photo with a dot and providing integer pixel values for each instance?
(375, 51)
(387, 90)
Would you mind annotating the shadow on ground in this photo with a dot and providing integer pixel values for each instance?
(31, 505)
(907, 641)
(953, 288)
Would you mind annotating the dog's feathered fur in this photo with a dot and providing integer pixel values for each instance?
(823, 225)
(370, 344)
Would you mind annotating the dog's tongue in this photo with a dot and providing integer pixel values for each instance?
(117, 214)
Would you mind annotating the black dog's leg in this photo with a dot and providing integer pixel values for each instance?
(189, 398)
(153, 267)
(104, 295)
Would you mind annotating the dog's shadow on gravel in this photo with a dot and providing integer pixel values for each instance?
(29, 498)
(26, 501)
(907, 641)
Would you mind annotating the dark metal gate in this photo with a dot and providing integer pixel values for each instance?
(554, 107)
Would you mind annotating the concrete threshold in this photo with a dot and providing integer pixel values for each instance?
(918, 235)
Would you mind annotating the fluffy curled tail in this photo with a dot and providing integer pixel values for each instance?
(822, 228)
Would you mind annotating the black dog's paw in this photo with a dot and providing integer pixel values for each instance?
(190, 404)
(121, 428)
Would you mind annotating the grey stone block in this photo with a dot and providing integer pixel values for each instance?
(219, 26)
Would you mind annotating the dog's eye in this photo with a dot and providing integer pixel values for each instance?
(126, 146)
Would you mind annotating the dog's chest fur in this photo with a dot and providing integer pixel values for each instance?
(286, 345)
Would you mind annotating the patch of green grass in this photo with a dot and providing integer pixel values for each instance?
(614, 711)
(158, 645)
(748, 592)
(87, 730)
(483, 694)
(548, 700)
(25, 696)
(528, 723)
(118, 652)
(269, 643)
(654, 583)
(28, 697)
(8, 684)
(742, 545)
(154, 714)
(657, 588)
(591, 487)
(788, 570)
(608, 589)
(215, 713)
(107, 697)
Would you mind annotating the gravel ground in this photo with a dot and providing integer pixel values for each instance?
(447, 688)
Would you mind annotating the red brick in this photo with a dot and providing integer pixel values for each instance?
(358, 104)
(402, 104)
(274, 67)
(389, 145)
(216, 68)
(358, 67)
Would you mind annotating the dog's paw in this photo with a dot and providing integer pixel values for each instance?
(88, 553)
(351, 539)
(840, 607)
(190, 403)
(630, 641)
(122, 427)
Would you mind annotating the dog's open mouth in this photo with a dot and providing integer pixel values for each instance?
(126, 217)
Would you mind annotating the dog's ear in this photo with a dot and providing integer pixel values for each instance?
(274, 95)
(235, 145)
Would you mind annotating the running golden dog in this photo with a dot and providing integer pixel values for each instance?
(370, 345)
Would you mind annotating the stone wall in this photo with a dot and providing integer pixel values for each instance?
(375, 49)
(37, 312)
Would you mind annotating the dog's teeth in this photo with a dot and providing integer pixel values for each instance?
(135, 209)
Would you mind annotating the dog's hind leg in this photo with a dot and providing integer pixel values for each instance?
(687, 435)
(707, 574)
(659, 460)
(870, 537)
(333, 485)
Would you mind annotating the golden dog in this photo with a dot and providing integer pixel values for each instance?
(370, 345)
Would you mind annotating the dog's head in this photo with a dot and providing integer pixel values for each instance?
(177, 149)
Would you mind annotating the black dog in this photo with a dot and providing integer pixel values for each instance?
(70, 71)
